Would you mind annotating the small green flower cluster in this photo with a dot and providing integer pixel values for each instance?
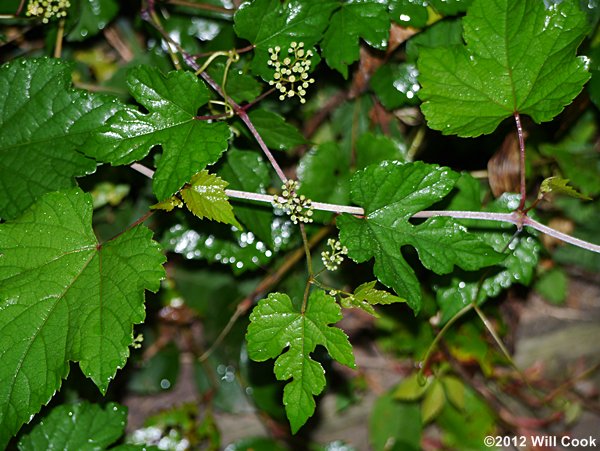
(334, 258)
(47, 9)
(298, 207)
(291, 74)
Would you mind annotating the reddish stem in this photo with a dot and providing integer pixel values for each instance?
(523, 184)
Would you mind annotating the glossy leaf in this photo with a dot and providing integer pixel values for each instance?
(247, 171)
(411, 13)
(240, 86)
(468, 90)
(396, 85)
(275, 131)
(189, 144)
(276, 323)
(374, 148)
(460, 289)
(205, 197)
(450, 7)
(239, 250)
(89, 17)
(43, 124)
(355, 19)
(65, 297)
(79, 426)
(270, 23)
(391, 193)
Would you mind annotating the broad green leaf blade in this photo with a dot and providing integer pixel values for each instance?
(247, 171)
(561, 186)
(270, 23)
(355, 19)
(88, 17)
(65, 297)
(462, 288)
(391, 193)
(275, 131)
(189, 144)
(205, 197)
(43, 124)
(374, 148)
(276, 324)
(411, 13)
(468, 90)
(77, 427)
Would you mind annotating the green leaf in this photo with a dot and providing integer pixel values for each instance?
(461, 288)
(247, 171)
(355, 19)
(324, 175)
(394, 425)
(239, 250)
(433, 402)
(275, 131)
(450, 7)
(391, 193)
(411, 388)
(270, 23)
(396, 85)
(468, 90)
(65, 297)
(240, 86)
(411, 13)
(440, 34)
(553, 285)
(366, 295)
(87, 17)
(561, 186)
(77, 427)
(43, 122)
(189, 144)
(169, 204)
(373, 148)
(276, 324)
(455, 391)
(205, 197)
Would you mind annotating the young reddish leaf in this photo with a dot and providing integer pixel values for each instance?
(275, 324)
(65, 297)
(468, 90)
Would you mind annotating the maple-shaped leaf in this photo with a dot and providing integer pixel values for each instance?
(189, 144)
(65, 297)
(277, 323)
(271, 23)
(43, 124)
(523, 61)
(205, 197)
(355, 19)
(391, 193)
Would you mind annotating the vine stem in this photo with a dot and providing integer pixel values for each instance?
(517, 218)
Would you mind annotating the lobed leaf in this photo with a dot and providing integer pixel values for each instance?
(276, 324)
(189, 144)
(205, 197)
(355, 19)
(65, 297)
(391, 193)
(43, 125)
(468, 90)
